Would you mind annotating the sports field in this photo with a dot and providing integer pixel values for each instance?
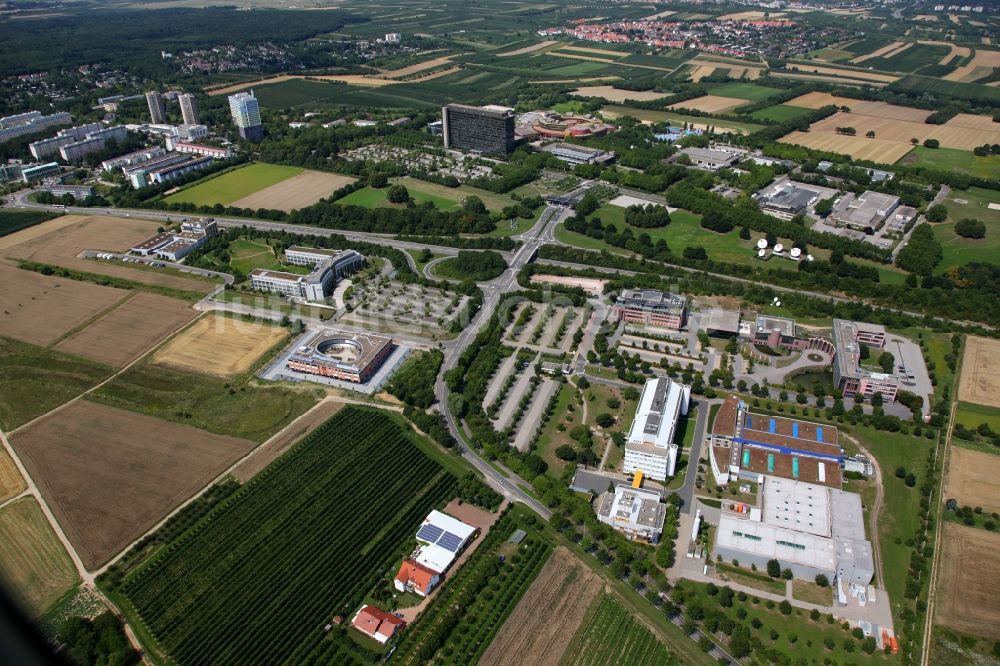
(33, 563)
(219, 345)
(234, 185)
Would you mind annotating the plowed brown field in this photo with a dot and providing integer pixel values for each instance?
(968, 598)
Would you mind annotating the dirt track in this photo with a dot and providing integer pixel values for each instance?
(541, 626)
(109, 475)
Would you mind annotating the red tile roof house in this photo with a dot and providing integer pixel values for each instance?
(376, 623)
(415, 577)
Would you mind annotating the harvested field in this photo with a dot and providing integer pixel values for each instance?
(24, 235)
(859, 148)
(701, 71)
(33, 563)
(959, 51)
(901, 131)
(435, 75)
(109, 475)
(350, 79)
(984, 60)
(11, 482)
(710, 104)
(845, 73)
(219, 345)
(974, 478)
(527, 49)
(968, 596)
(827, 79)
(816, 100)
(877, 53)
(413, 69)
(980, 381)
(123, 334)
(613, 94)
(590, 285)
(550, 612)
(273, 448)
(40, 309)
(299, 191)
(750, 16)
(60, 244)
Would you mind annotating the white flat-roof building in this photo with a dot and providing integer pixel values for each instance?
(441, 539)
(709, 159)
(809, 528)
(637, 512)
(343, 262)
(650, 446)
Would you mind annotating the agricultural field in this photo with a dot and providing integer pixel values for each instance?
(969, 582)
(259, 577)
(778, 113)
(15, 220)
(980, 381)
(617, 95)
(968, 91)
(710, 104)
(234, 185)
(34, 566)
(565, 588)
(233, 408)
(35, 380)
(123, 334)
(974, 478)
(963, 132)
(972, 416)
(747, 91)
(11, 482)
(842, 72)
(41, 309)
(856, 147)
(612, 112)
(952, 159)
(909, 59)
(109, 475)
(462, 620)
(59, 241)
(300, 191)
(610, 635)
(219, 345)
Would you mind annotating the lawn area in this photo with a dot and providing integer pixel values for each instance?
(747, 91)
(779, 113)
(234, 185)
(972, 203)
(971, 416)
(551, 438)
(616, 111)
(810, 592)
(901, 504)
(575, 106)
(246, 255)
(34, 380)
(371, 197)
(952, 159)
(755, 579)
(454, 195)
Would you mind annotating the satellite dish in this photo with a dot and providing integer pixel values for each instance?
(778, 303)
(761, 252)
(779, 248)
(809, 257)
(796, 252)
(762, 243)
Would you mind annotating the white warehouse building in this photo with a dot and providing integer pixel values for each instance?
(650, 446)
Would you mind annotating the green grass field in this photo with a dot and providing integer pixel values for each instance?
(246, 255)
(371, 197)
(952, 159)
(973, 203)
(15, 220)
(971, 416)
(646, 115)
(226, 408)
(747, 91)
(779, 113)
(234, 185)
(34, 380)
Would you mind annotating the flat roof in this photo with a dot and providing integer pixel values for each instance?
(847, 354)
(652, 299)
(757, 460)
(656, 416)
(773, 542)
(794, 505)
(709, 154)
(789, 197)
(633, 506)
(366, 347)
(784, 325)
(718, 319)
(154, 241)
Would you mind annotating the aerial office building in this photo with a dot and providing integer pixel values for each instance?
(650, 447)
(30, 123)
(848, 374)
(637, 512)
(484, 129)
(157, 107)
(650, 307)
(189, 108)
(246, 116)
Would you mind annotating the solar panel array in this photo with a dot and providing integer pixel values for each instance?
(430, 533)
(450, 541)
(439, 537)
